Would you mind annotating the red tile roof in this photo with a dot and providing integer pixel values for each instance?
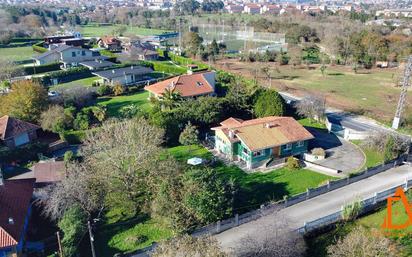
(11, 127)
(186, 85)
(15, 197)
(265, 132)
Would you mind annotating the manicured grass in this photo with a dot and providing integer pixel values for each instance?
(373, 157)
(87, 82)
(317, 245)
(95, 30)
(115, 103)
(312, 123)
(182, 153)
(257, 188)
(124, 233)
(17, 53)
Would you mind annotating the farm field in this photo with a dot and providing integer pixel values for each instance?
(97, 31)
(372, 94)
(115, 103)
(17, 54)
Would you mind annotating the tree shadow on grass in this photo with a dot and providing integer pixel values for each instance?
(336, 74)
(253, 189)
(105, 233)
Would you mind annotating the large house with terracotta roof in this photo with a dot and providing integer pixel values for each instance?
(188, 85)
(15, 132)
(259, 142)
(15, 208)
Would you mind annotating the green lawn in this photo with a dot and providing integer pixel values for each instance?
(115, 103)
(17, 53)
(123, 233)
(317, 245)
(312, 123)
(94, 30)
(87, 82)
(257, 188)
(373, 157)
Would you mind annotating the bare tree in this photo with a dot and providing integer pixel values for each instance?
(312, 106)
(189, 246)
(125, 154)
(361, 242)
(9, 70)
(80, 186)
(274, 239)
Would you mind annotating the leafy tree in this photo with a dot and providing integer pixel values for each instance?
(81, 122)
(26, 101)
(208, 196)
(192, 42)
(170, 98)
(196, 197)
(99, 112)
(53, 119)
(104, 90)
(323, 69)
(189, 136)
(269, 103)
(189, 246)
(187, 7)
(361, 242)
(73, 225)
(214, 48)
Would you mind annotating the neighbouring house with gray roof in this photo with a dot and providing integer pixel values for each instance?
(69, 56)
(96, 64)
(124, 76)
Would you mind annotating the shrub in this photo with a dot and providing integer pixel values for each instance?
(41, 68)
(118, 89)
(352, 210)
(319, 152)
(73, 137)
(292, 163)
(269, 103)
(104, 90)
(81, 122)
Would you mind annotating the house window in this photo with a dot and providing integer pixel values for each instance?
(288, 147)
(73, 54)
(301, 143)
(83, 53)
(245, 151)
(258, 153)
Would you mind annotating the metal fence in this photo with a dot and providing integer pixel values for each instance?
(367, 205)
(266, 209)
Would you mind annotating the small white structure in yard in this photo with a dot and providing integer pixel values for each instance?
(195, 161)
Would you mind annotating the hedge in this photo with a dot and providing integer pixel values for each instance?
(73, 136)
(66, 75)
(39, 48)
(41, 68)
(181, 60)
(158, 66)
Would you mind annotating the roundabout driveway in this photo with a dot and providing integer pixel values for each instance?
(340, 154)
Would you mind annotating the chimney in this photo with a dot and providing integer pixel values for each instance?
(11, 221)
(231, 134)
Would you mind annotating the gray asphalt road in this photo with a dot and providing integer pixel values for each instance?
(319, 206)
(339, 117)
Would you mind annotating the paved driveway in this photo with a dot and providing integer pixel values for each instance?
(340, 154)
(317, 207)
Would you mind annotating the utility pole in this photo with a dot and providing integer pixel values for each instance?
(402, 98)
(60, 244)
(91, 238)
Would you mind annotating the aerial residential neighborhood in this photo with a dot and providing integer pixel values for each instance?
(205, 128)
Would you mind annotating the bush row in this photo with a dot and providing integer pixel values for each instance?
(64, 76)
(41, 68)
(39, 48)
